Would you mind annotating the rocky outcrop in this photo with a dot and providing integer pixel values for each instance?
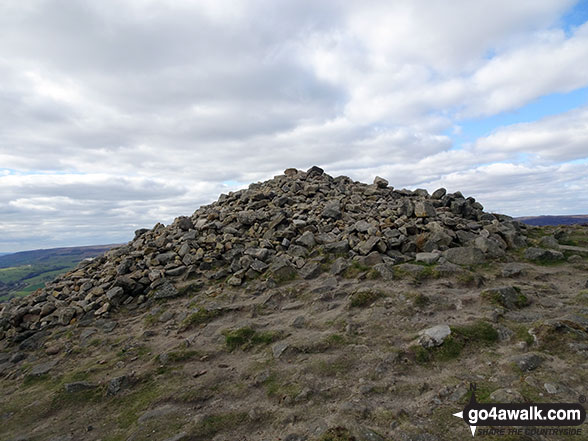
(294, 225)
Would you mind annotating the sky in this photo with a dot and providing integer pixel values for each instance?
(118, 114)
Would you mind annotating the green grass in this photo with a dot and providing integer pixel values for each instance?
(479, 332)
(495, 298)
(355, 269)
(136, 402)
(182, 355)
(32, 269)
(420, 300)
(364, 298)
(582, 297)
(521, 332)
(275, 387)
(151, 319)
(428, 271)
(63, 399)
(247, 337)
(335, 340)
(199, 317)
(472, 335)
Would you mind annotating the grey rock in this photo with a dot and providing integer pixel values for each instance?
(362, 226)
(464, 256)
(314, 171)
(371, 259)
(527, 362)
(5, 367)
(299, 322)
(549, 242)
(79, 386)
(551, 388)
(311, 270)
(439, 193)
(185, 223)
(338, 247)
(17, 356)
(65, 315)
(428, 258)
(258, 265)
(116, 384)
(164, 258)
(114, 293)
(339, 266)
(541, 254)
(282, 270)
(279, 348)
(175, 272)
(380, 182)
(513, 269)
(257, 253)
(506, 395)
(434, 336)
(332, 210)
(235, 280)
(424, 209)
(368, 245)
(247, 217)
(507, 296)
(489, 246)
(43, 368)
(166, 291)
(306, 240)
(47, 309)
(363, 433)
(385, 271)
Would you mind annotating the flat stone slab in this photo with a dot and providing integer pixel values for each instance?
(43, 368)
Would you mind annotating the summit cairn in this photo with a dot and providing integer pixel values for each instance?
(295, 225)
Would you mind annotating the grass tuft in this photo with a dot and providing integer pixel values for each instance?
(247, 337)
(199, 317)
(364, 298)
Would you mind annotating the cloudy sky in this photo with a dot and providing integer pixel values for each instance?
(115, 114)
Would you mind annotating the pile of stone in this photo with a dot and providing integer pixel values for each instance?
(294, 225)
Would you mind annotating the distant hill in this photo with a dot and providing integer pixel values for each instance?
(554, 220)
(22, 273)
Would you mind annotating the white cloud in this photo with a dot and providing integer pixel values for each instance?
(562, 137)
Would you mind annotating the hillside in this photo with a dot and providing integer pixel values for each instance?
(24, 272)
(305, 307)
(554, 220)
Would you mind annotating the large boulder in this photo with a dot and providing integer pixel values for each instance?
(464, 255)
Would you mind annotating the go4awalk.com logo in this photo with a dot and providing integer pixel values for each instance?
(507, 418)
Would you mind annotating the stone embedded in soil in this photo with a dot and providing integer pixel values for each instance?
(43, 368)
(541, 254)
(434, 336)
(528, 362)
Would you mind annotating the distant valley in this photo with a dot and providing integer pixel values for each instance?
(24, 272)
